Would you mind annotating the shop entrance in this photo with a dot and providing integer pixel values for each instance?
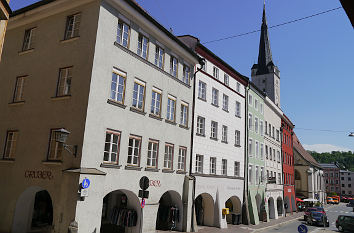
(280, 206)
(287, 202)
(204, 209)
(293, 204)
(271, 208)
(259, 203)
(120, 212)
(33, 212)
(234, 205)
(169, 215)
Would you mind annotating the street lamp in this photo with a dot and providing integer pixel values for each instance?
(61, 136)
(351, 134)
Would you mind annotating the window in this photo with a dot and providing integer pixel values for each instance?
(226, 79)
(278, 154)
(215, 97)
(279, 178)
(256, 104)
(19, 89)
(202, 90)
(134, 150)
(270, 128)
(173, 66)
(156, 103)
(262, 175)
(257, 149)
(343, 185)
(171, 109)
(159, 57)
(262, 151)
(250, 121)
(212, 165)
(29, 39)
(224, 167)
(250, 147)
(349, 185)
(143, 43)
(225, 102)
(184, 114)
(10, 145)
(200, 125)
(261, 127)
(257, 175)
(238, 109)
(111, 147)
(123, 34)
(250, 174)
(237, 169)
(237, 138)
(214, 130)
(138, 95)
(216, 72)
(250, 101)
(349, 178)
(204, 68)
(72, 26)
(273, 132)
(270, 153)
(55, 147)
(182, 158)
(238, 87)
(224, 133)
(64, 83)
(168, 159)
(261, 108)
(199, 164)
(256, 124)
(265, 128)
(118, 87)
(153, 151)
(278, 135)
(274, 154)
(266, 151)
(186, 74)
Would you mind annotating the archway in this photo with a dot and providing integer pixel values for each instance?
(33, 211)
(258, 204)
(204, 209)
(287, 203)
(170, 211)
(280, 206)
(235, 208)
(271, 208)
(293, 203)
(121, 212)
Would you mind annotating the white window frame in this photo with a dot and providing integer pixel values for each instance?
(237, 169)
(250, 99)
(19, 89)
(256, 124)
(72, 27)
(224, 134)
(123, 33)
(139, 95)
(171, 109)
(186, 74)
(226, 79)
(168, 158)
(214, 130)
(215, 97)
(261, 127)
(224, 167)
(10, 144)
(216, 72)
(29, 39)
(256, 104)
(238, 87)
(225, 102)
(117, 93)
(250, 147)
(111, 145)
(199, 163)
(200, 126)
(238, 109)
(174, 66)
(256, 149)
(182, 155)
(143, 46)
(159, 57)
(184, 114)
(133, 159)
(237, 138)
(262, 151)
(64, 82)
(250, 121)
(213, 165)
(156, 97)
(153, 153)
(202, 90)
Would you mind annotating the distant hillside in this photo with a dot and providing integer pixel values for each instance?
(344, 159)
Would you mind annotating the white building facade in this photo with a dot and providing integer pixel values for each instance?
(347, 183)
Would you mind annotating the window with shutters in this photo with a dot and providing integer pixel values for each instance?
(72, 26)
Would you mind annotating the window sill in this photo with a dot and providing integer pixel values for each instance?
(52, 162)
(141, 112)
(115, 103)
(151, 169)
(181, 172)
(155, 117)
(170, 122)
(224, 142)
(132, 167)
(215, 105)
(225, 110)
(237, 145)
(183, 127)
(69, 39)
(201, 135)
(238, 116)
(110, 165)
(202, 99)
(167, 170)
(17, 103)
(215, 139)
(7, 160)
(25, 52)
(62, 97)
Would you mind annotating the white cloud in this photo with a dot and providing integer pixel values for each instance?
(320, 148)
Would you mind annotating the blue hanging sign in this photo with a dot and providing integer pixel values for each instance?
(85, 183)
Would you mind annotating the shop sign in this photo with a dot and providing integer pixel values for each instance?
(289, 190)
(155, 183)
(44, 175)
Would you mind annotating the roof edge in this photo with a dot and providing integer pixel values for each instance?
(30, 7)
(6, 5)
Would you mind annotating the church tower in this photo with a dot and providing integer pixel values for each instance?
(265, 75)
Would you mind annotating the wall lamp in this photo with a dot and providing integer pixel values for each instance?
(61, 136)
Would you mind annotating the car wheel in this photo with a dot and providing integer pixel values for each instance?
(340, 228)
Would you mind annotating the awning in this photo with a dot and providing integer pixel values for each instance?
(298, 199)
(310, 200)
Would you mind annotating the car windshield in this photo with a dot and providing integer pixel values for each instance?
(316, 214)
(320, 208)
(311, 209)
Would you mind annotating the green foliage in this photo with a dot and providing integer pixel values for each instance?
(344, 159)
(332, 194)
(318, 203)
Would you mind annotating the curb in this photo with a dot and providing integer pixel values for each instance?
(278, 224)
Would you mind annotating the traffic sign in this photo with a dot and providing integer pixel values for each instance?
(142, 203)
(302, 228)
(85, 183)
(144, 183)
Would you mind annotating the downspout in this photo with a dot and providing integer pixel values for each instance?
(201, 62)
(282, 163)
(245, 183)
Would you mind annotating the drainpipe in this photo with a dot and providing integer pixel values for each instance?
(282, 165)
(245, 183)
(201, 62)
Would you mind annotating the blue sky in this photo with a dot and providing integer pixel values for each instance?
(315, 56)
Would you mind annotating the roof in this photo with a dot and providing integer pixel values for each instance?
(133, 4)
(306, 155)
(6, 5)
(329, 165)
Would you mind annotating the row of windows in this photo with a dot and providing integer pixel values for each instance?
(349, 185)
(349, 178)
(270, 131)
(202, 87)
(258, 106)
(214, 131)
(287, 140)
(199, 165)
(257, 126)
(226, 76)
(288, 179)
(258, 178)
(255, 148)
(118, 87)
(288, 159)
(349, 192)
(271, 154)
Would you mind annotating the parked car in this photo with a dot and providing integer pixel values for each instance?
(345, 223)
(330, 200)
(317, 218)
(308, 212)
(336, 200)
(351, 203)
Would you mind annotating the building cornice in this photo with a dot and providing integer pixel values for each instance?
(7, 8)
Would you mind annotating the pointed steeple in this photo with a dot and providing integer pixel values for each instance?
(265, 61)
